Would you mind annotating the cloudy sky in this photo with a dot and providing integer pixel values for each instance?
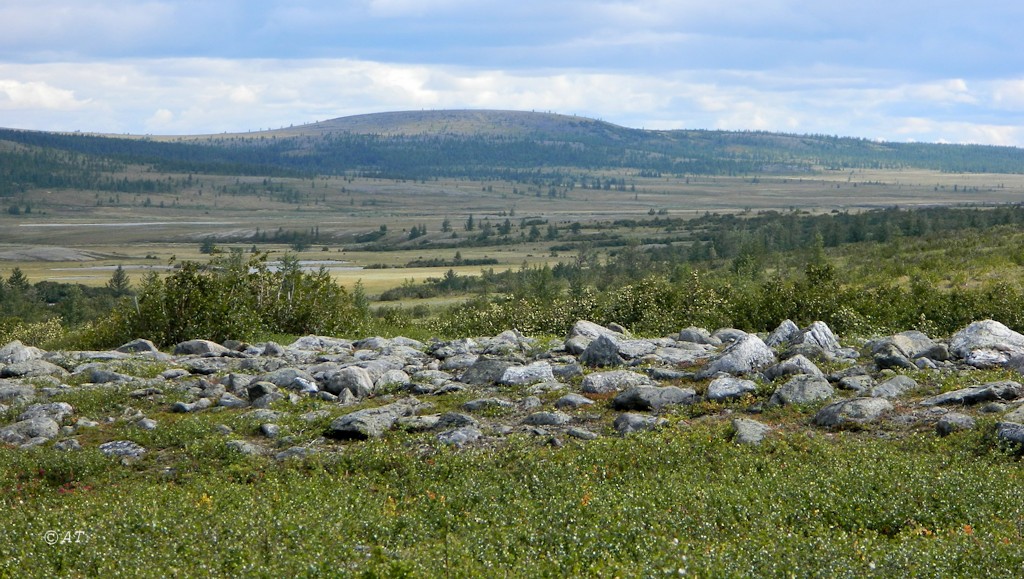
(901, 70)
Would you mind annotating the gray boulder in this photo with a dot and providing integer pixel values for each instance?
(485, 371)
(370, 422)
(798, 364)
(614, 381)
(14, 393)
(482, 404)
(15, 352)
(604, 351)
(728, 387)
(629, 423)
(187, 407)
(589, 330)
(530, 374)
(352, 378)
(986, 343)
(853, 411)
(56, 411)
(653, 397)
(802, 390)
(894, 387)
(138, 346)
(952, 422)
(199, 348)
(1011, 432)
(572, 401)
(32, 369)
(992, 391)
(786, 333)
(29, 429)
(747, 431)
(697, 335)
(285, 378)
(820, 335)
(460, 436)
(745, 355)
(548, 419)
(122, 448)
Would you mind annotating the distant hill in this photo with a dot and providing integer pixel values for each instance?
(486, 144)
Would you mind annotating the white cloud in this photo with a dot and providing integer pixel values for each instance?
(16, 94)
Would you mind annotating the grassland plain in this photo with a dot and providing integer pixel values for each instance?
(885, 500)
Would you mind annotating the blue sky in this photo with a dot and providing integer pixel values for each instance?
(901, 70)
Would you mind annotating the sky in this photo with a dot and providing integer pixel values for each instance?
(895, 70)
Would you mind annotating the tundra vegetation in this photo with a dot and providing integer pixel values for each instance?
(466, 422)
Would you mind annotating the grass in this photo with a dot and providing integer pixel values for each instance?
(681, 500)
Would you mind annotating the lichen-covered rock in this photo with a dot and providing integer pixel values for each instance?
(613, 381)
(802, 389)
(370, 422)
(853, 411)
(747, 431)
(653, 397)
(747, 354)
(629, 423)
(986, 343)
(992, 391)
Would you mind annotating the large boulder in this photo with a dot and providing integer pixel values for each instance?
(802, 389)
(894, 387)
(370, 422)
(697, 335)
(728, 387)
(352, 378)
(986, 343)
(785, 333)
(529, 374)
(653, 397)
(853, 411)
(32, 428)
(747, 354)
(614, 381)
(485, 371)
(15, 352)
(747, 431)
(199, 348)
(989, 392)
(629, 423)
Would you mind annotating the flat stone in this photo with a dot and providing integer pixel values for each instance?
(853, 411)
(122, 448)
(802, 389)
(1003, 390)
(894, 387)
(572, 401)
(953, 422)
(747, 431)
(548, 419)
(653, 397)
(629, 423)
(729, 387)
(613, 381)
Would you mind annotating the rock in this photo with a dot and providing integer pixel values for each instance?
(861, 383)
(589, 330)
(14, 393)
(747, 431)
(853, 411)
(199, 348)
(697, 335)
(245, 447)
(530, 403)
(146, 423)
(1004, 390)
(370, 422)
(485, 371)
(460, 436)
(548, 419)
(787, 332)
(572, 402)
(524, 375)
(629, 422)
(68, 445)
(952, 422)
(270, 430)
(1011, 432)
(986, 343)
(604, 351)
(820, 335)
(352, 378)
(29, 429)
(729, 335)
(797, 364)
(418, 423)
(894, 387)
(728, 387)
(391, 378)
(614, 381)
(286, 378)
(32, 369)
(103, 376)
(456, 420)
(15, 352)
(122, 448)
(653, 397)
(258, 389)
(138, 346)
(56, 411)
(1015, 415)
(482, 404)
(889, 356)
(582, 433)
(744, 356)
(802, 389)
(201, 404)
(299, 452)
